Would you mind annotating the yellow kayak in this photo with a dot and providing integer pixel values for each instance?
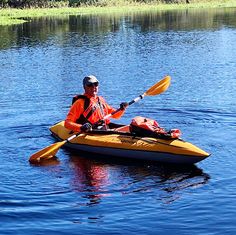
(121, 143)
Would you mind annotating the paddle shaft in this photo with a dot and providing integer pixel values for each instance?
(131, 102)
(156, 89)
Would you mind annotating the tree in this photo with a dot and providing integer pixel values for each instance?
(3, 3)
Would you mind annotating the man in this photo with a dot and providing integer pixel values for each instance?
(90, 108)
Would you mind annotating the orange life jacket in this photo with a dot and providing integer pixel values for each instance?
(93, 110)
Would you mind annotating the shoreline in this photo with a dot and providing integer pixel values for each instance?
(11, 16)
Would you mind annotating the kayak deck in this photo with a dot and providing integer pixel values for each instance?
(123, 144)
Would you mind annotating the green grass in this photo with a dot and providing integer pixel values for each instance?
(12, 16)
(9, 21)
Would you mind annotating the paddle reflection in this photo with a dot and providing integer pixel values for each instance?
(47, 162)
(102, 178)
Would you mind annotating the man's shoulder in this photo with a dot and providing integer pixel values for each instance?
(79, 97)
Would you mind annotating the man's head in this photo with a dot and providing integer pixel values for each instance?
(90, 84)
(89, 80)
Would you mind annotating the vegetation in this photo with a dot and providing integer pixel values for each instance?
(85, 24)
(12, 11)
(75, 3)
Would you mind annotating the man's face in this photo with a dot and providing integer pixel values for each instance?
(91, 89)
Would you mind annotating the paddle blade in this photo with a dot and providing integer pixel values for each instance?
(46, 153)
(159, 87)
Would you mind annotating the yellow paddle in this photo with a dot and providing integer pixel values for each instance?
(50, 151)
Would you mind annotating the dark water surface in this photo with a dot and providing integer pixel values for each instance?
(42, 64)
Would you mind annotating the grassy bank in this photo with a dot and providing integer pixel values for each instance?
(13, 16)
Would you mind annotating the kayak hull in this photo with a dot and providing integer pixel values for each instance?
(124, 145)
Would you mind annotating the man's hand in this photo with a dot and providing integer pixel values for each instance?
(124, 105)
(86, 127)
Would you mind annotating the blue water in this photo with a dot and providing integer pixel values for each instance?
(42, 65)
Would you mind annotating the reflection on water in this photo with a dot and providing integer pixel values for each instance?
(49, 162)
(102, 178)
(97, 177)
(40, 30)
(90, 177)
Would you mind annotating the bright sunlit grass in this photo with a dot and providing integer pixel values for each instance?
(12, 16)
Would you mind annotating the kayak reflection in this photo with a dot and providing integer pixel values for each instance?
(90, 177)
(99, 178)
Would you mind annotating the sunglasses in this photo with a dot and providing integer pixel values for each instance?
(92, 84)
